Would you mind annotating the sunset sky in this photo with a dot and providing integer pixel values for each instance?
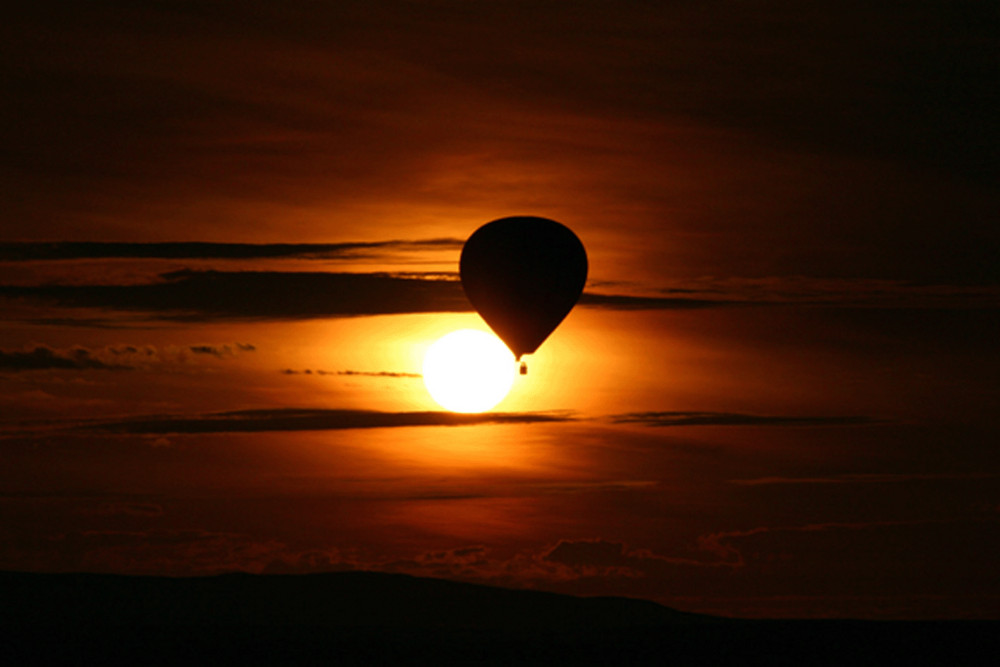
(229, 232)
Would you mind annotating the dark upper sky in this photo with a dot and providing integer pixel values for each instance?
(227, 235)
(842, 139)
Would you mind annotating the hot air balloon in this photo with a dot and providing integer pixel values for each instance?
(523, 274)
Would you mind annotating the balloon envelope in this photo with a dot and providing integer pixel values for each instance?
(523, 274)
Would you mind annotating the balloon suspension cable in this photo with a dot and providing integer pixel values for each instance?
(524, 368)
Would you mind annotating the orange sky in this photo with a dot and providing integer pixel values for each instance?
(776, 397)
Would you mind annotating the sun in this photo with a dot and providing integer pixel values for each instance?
(468, 371)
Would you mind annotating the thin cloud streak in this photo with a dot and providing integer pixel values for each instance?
(209, 295)
(865, 478)
(222, 351)
(201, 296)
(657, 419)
(626, 302)
(29, 251)
(297, 419)
(113, 357)
(46, 358)
(377, 374)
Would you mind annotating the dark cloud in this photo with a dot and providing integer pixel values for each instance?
(589, 562)
(625, 302)
(114, 357)
(857, 292)
(89, 322)
(125, 349)
(294, 419)
(207, 295)
(178, 552)
(195, 250)
(601, 557)
(867, 478)
(897, 539)
(222, 351)
(380, 374)
(734, 419)
(45, 358)
(583, 554)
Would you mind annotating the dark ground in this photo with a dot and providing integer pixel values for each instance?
(369, 618)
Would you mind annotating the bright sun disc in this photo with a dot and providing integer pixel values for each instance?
(468, 371)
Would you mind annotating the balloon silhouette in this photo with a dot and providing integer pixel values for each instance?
(523, 274)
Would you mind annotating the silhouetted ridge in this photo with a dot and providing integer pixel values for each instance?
(364, 618)
(346, 599)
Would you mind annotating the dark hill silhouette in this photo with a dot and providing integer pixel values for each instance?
(373, 618)
(343, 599)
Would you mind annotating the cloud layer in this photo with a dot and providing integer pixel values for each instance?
(734, 419)
(189, 295)
(208, 295)
(46, 358)
(113, 357)
(295, 419)
(27, 251)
